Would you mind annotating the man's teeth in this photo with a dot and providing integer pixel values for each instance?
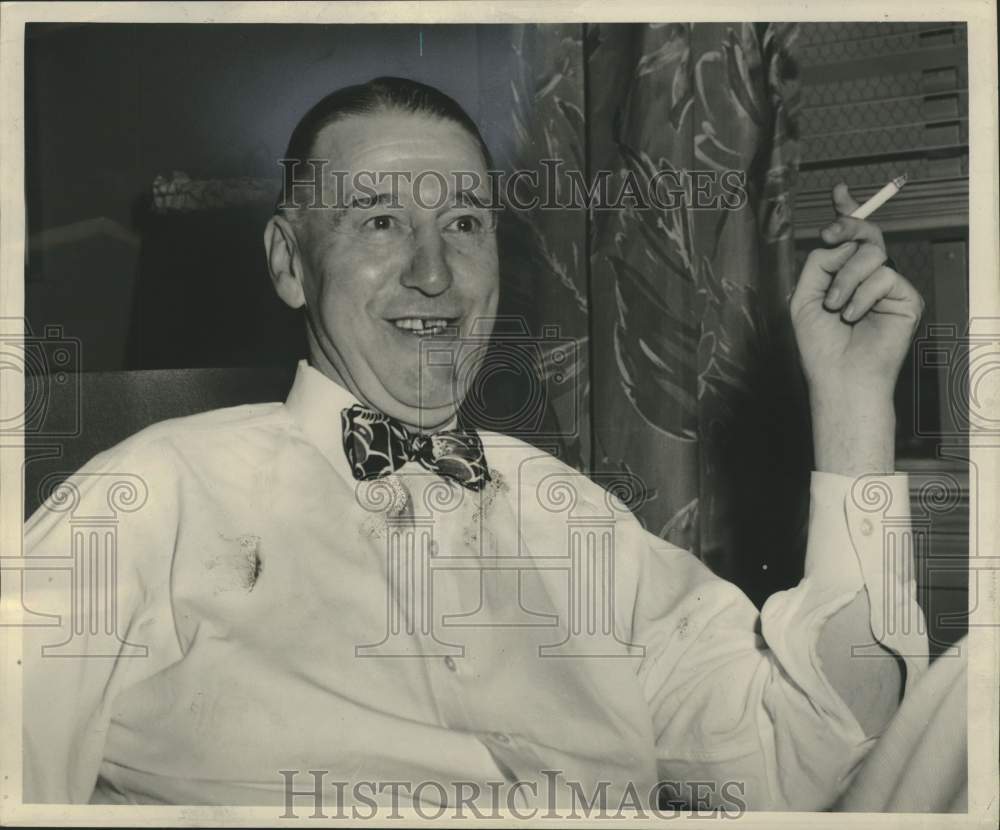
(421, 325)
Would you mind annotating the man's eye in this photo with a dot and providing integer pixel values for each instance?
(466, 224)
(381, 222)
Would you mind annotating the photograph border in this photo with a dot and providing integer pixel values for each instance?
(984, 299)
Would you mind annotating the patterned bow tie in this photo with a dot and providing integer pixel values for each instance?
(377, 445)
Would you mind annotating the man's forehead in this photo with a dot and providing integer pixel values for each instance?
(395, 141)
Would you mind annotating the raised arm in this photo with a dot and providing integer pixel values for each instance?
(780, 707)
(854, 317)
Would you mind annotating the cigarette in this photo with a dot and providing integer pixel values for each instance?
(880, 198)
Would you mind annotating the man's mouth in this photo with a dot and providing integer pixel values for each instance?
(424, 326)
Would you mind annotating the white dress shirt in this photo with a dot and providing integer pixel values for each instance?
(280, 615)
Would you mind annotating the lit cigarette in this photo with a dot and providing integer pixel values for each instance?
(880, 198)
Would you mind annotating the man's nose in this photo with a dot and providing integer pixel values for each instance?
(429, 271)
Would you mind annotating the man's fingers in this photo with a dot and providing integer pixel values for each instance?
(877, 287)
(845, 227)
(867, 259)
(820, 267)
(843, 202)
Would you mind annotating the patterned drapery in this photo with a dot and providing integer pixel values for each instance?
(681, 364)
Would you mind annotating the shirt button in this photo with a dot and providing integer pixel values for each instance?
(866, 527)
(450, 664)
(500, 737)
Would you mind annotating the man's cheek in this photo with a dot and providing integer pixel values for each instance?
(482, 283)
(490, 301)
(349, 281)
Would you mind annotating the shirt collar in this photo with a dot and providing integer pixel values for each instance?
(315, 403)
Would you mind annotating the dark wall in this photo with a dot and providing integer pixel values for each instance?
(110, 107)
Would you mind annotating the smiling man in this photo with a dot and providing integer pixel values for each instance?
(374, 280)
(355, 594)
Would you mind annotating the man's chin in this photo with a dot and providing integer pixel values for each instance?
(427, 406)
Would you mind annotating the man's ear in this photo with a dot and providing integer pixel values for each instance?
(283, 261)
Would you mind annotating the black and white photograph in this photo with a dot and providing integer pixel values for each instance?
(547, 414)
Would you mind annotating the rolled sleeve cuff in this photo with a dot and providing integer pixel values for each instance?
(869, 515)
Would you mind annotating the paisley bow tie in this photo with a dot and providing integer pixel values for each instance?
(377, 445)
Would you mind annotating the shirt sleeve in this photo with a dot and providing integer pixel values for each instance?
(738, 698)
(107, 533)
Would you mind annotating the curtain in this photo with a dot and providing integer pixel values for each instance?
(677, 361)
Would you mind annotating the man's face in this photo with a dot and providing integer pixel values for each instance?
(380, 279)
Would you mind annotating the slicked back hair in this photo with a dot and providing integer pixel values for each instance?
(383, 94)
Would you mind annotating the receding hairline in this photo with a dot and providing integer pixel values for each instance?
(382, 95)
(395, 110)
(293, 213)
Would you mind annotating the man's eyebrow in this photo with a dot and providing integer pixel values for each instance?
(470, 199)
(369, 200)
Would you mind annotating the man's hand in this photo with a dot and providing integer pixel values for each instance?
(854, 318)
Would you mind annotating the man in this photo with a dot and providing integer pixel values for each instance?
(351, 587)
